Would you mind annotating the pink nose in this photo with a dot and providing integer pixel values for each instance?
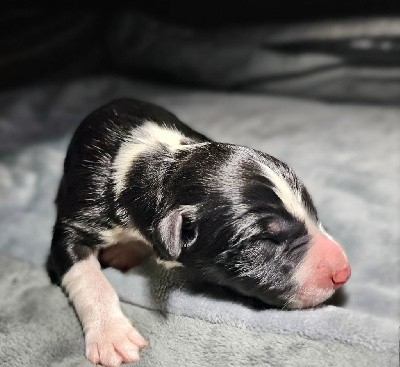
(341, 277)
(327, 263)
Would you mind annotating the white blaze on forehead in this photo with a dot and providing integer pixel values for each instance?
(290, 197)
(145, 138)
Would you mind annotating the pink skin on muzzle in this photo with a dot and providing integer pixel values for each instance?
(324, 269)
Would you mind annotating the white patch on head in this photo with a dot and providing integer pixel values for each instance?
(110, 338)
(290, 197)
(145, 138)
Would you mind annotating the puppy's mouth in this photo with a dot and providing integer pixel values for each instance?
(324, 269)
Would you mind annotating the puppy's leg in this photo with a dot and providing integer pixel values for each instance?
(109, 337)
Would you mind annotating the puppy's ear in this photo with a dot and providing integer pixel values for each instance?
(178, 230)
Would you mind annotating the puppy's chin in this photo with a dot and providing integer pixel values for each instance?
(309, 297)
(300, 299)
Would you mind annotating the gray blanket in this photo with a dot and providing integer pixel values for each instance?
(39, 328)
(348, 156)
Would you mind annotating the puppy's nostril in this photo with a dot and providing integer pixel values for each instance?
(341, 277)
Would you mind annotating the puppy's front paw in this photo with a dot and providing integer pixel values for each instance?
(112, 342)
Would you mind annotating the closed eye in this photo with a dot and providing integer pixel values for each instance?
(298, 243)
(265, 238)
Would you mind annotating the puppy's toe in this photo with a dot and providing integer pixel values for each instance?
(112, 342)
(109, 357)
(127, 350)
(137, 339)
(92, 353)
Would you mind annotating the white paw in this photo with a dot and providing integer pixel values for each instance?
(112, 342)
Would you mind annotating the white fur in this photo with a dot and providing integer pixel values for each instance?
(120, 234)
(169, 264)
(90, 291)
(109, 336)
(145, 138)
(311, 297)
(290, 198)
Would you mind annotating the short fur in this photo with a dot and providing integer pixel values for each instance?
(135, 173)
(235, 228)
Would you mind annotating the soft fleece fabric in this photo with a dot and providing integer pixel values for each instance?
(348, 157)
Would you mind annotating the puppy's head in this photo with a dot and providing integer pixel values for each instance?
(244, 220)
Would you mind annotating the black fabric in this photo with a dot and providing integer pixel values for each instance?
(213, 46)
(37, 44)
(208, 13)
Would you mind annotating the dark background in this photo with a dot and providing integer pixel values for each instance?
(38, 44)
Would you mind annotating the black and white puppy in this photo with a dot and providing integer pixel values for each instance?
(137, 178)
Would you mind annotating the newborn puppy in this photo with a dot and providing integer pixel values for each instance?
(136, 179)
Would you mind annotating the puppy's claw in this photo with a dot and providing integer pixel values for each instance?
(113, 342)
